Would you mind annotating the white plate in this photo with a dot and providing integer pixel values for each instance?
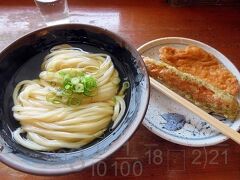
(195, 132)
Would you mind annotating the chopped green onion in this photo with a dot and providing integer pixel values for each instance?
(66, 77)
(75, 80)
(67, 92)
(79, 88)
(56, 102)
(89, 83)
(75, 85)
(125, 86)
(67, 86)
(61, 73)
(51, 96)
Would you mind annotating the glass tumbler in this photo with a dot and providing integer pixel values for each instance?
(53, 11)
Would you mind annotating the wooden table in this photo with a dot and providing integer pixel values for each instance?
(146, 155)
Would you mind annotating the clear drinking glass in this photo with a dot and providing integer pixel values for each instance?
(53, 11)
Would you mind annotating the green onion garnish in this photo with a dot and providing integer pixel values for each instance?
(75, 85)
(125, 86)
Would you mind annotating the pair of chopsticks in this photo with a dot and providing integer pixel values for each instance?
(220, 126)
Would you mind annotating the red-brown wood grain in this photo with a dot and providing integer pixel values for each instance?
(147, 156)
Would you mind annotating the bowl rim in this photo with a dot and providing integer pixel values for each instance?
(129, 131)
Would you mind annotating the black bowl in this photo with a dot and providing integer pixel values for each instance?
(22, 59)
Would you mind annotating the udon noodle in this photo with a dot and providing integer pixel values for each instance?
(73, 102)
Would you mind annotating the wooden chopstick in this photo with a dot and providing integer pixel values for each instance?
(220, 126)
